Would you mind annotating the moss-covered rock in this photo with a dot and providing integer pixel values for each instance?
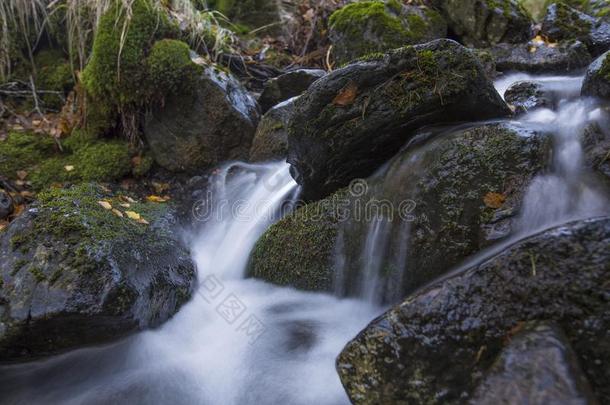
(361, 28)
(286, 86)
(597, 78)
(484, 23)
(352, 120)
(464, 188)
(271, 138)
(53, 73)
(436, 346)
(563, 22)
(22, 151)
(170, 68)
(75, 273)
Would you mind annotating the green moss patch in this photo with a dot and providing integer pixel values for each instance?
(171, 70)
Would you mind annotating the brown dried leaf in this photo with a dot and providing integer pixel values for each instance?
(347, 95)
(22, 174)
(494, 200)
(117, 213)
(105, 204)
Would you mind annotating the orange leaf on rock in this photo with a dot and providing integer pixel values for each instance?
(494, 200)
(347, 95)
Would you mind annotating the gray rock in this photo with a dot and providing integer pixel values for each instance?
(436, 346)
(287, 86)
(6, 205)
(538, 367)
(271, 139)
(352, 120)
(527, 95)
(74, 274)
(562, 23)
(192, 133)
(485, 23)
(596, 146)
(565, 57)
(597, 78)
(362, 28)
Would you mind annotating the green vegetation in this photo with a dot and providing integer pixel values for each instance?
(171, 70)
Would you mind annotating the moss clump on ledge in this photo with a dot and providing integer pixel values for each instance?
(171, 70)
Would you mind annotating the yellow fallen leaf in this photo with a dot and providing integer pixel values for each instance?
(127, 199)
(125, 205)
(142, 221)
(105, 204)
(69, 168)
(157, 199)
(117, 213)
(133, 215)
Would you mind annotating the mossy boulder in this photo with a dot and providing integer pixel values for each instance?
(271, 138)
(251, 13)
(352, 120)
(215, 122)
(438, 344)
(484, 23)
(540, 57)
(74, 273)
(597, 78)
(366, 27)
(39, 157)
(53, 74)
(526, 95)
(464, 188)
(286, 86)
(563, 22)
(538, 365)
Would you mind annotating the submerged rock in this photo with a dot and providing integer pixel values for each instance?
(563, 23)
(366, 27)
(538, 366)
(527, 95)
(193, 132)
(271, 139)
(466, 186)
(485, 23)
(437, 345)
(287, 86)
(354, 119)
(597, 78)
(74, 273)
(541, 57)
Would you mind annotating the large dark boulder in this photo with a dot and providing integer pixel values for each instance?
(271, 139)
(438, 344)
(540, 57)
(597, 78)
(463, 186)
(484, 23)
(74, 273)
(366, 27)
(538, 366)
(194, 132)
(353, 119)
(287, 86)
(564, 23)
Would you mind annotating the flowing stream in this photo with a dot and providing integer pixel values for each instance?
(243, 341)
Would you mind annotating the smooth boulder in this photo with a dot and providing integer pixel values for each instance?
(287, 86)
(438, 344)
(271, 139)
(79, 269)
(485, 23)
(352, 120)
(540, 57)
(366, 27)
(463, 188)
(538, 366)
(597, 78)
(189, 133)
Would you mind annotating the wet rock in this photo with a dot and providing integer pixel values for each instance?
(562, 23)
(596, 146)
(537, 57)
(362, 28)
(287, 86)
(597, 78)
(438, 344)
(463, 187)
(73, 273)
(192, 133)
(6, 205)
(538, 366)
(271, 139)
(527, 95)
(354, 119)
(485, 23)
(487, 61)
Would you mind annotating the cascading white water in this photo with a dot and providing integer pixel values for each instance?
(239, 341)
